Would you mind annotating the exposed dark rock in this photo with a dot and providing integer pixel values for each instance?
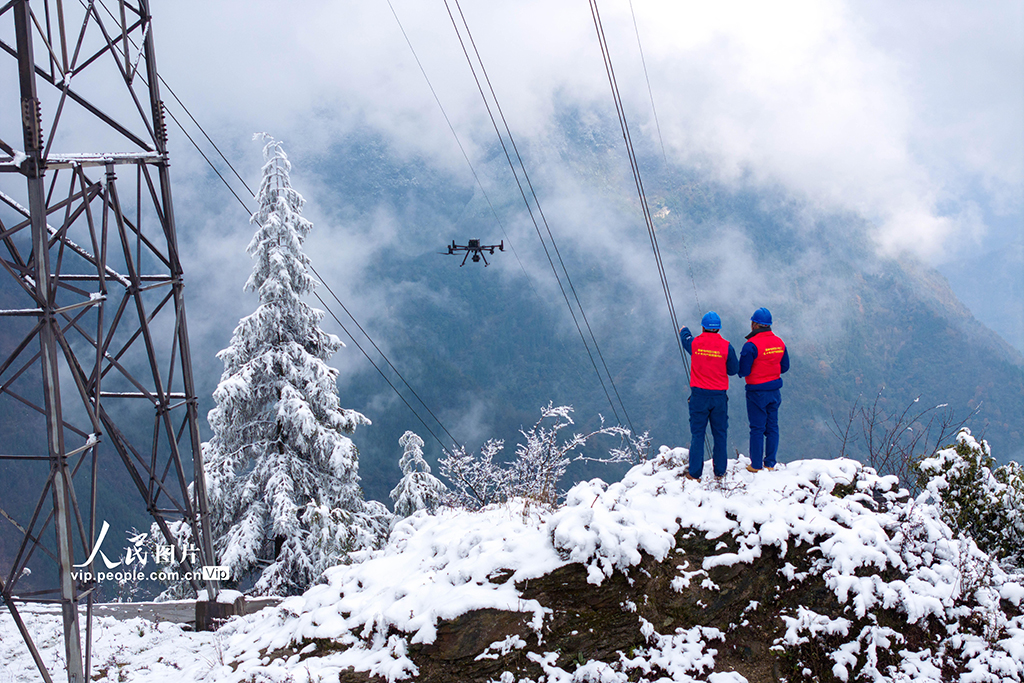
(745, 601)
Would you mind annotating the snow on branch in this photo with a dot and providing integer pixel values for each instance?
(540, 462)
(282, 474)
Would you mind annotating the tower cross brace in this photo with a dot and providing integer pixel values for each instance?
(95, 368)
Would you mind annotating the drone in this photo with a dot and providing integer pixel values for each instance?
(476, 249)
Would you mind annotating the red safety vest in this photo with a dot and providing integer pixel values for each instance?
(710, 352)
(766, 367)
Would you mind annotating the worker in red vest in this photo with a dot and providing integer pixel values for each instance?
(763, 359)
(714, 360)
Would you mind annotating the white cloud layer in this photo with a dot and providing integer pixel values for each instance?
(909, 114)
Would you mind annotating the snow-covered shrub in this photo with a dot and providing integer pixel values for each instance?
(975, 498)
(419, 489)
(540, 462)
(1011, 475)
(477, 481)
(282, 475)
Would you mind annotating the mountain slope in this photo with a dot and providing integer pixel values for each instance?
(486, 347)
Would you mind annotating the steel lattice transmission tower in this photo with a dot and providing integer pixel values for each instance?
(94, 351)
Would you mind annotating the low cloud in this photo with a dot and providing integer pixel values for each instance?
(852, 107)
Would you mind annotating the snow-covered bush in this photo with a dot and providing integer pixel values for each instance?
(477, 481)
(419, 489)
(540, 462)
(282, 475)
(975, 498)
(1011, 475)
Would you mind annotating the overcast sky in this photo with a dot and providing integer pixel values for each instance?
(911, 113)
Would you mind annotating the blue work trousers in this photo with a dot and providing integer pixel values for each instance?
(708, 406)
(763, 415)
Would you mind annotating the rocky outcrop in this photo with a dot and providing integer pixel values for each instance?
(823, 572)
(746, 602)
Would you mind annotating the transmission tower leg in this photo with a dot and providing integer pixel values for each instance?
(59, 475)
(199, 489)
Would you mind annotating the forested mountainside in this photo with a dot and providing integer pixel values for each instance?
(486, 347)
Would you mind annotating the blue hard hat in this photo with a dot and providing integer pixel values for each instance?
(762, 316)
(711, 321)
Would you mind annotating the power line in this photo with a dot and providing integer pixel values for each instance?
(635, 167)
(529, 280)
(451, 127)
(377, 368)
(317, 274)
(661, 140)
(631, 152)
(657, 124)
(182, 104)
(540, 211)
(383, 355)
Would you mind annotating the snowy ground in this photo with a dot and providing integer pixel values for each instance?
(438, 567)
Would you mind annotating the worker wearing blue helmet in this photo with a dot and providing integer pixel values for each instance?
(763, 360)
(714, 360)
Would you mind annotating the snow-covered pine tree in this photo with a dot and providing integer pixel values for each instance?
(283, 478)
(977, 498)
(419, 489)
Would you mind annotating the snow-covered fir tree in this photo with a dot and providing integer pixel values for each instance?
(419, 489)
(282, 475)
(976, 498)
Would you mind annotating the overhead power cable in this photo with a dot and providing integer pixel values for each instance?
(452, 129)
(320, 299)
(643, 61)
(634, 165)
(472, 169)
(536, 202)
(377, 368)
(384, 356)
(661, 141)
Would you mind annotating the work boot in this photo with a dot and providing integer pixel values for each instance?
(691, 477)
(752, 469)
